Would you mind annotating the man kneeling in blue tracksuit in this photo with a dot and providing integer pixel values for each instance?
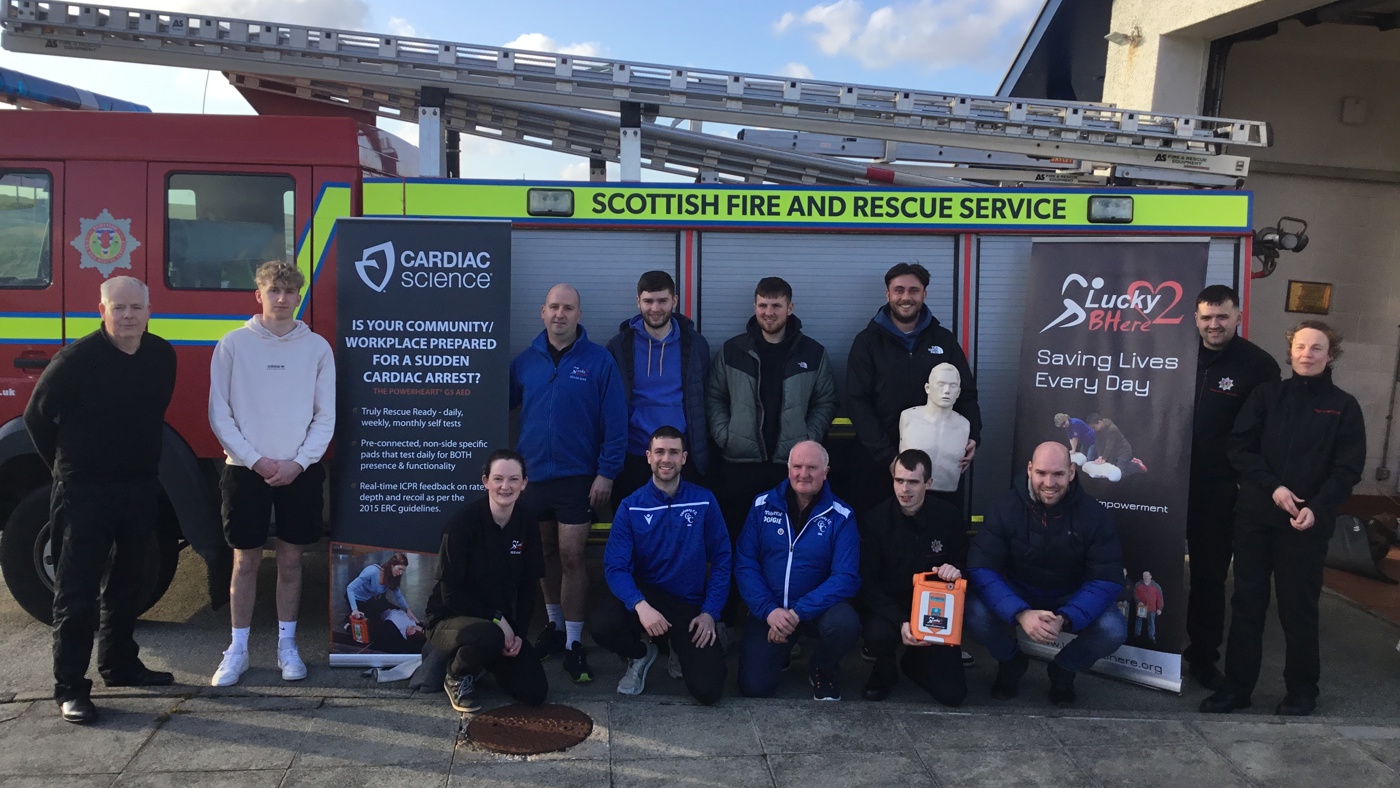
(797, 563)
(663, 536)
(1047, 560)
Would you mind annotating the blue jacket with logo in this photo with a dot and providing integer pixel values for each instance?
(807, 571)
(573, 418)
(667, 542)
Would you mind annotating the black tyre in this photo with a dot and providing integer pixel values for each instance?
(27, 563)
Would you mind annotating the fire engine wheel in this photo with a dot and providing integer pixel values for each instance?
(26, 558)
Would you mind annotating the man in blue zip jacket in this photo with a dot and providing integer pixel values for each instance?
(663, 537)
(573, 430)
(1046, 560)
(797, 563)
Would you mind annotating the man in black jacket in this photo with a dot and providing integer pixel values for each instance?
(664, 363)
(96, 418)
(906, 535)
(770, 388)
(1228, 368)
(489, 568)
(887, 369)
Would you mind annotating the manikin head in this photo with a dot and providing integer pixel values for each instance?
(944, 385)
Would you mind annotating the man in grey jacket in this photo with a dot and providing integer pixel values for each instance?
(769, 389)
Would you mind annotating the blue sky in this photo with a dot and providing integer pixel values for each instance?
(960, 46)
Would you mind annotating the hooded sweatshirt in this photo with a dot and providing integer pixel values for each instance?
(656, 385)
(272, 396)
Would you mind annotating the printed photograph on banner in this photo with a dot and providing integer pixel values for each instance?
(1108, 363)
(377, 599)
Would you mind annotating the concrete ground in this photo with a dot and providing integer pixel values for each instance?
(339, 728)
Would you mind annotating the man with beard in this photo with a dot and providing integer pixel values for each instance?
(664, 362)
(770, 388)
(1047, 560)
(889, 364)
(663, 538)
(1228, 369)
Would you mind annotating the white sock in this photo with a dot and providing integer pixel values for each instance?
(240, 639)
(286, 630)
(556, 615)
(573, 633)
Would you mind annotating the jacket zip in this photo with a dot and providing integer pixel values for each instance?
(792, 545)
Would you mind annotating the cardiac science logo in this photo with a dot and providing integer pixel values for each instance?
(386, 267)
(1140, 306)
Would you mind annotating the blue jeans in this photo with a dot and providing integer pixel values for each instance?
(1100, 638)
(1151, 626)
(761, 662)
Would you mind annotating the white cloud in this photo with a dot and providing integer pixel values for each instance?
(578, 171)
(936, 33)
(784, 22)
(342, 14)
(539, 42)
(797, 70)
(400, 27)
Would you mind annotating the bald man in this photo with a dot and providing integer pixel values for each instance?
(797, 564)
(1046, 561)
(573, 432)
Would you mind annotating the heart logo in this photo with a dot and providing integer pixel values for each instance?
(1162, 319)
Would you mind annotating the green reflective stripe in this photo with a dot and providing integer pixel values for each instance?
(194, 330)
(334, 203)
(382, 198)
(28, 328)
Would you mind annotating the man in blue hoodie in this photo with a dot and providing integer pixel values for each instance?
(664, 363)
(1047, 560)
(663, 538)
(797, 563)
(573, 429)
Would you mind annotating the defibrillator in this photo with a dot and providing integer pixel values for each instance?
(937, 612)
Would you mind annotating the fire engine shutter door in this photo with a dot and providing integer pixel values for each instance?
(837, 282)
(999, 302)
(604, 265)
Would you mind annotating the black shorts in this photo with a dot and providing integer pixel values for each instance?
(248, 504)
(563, 500)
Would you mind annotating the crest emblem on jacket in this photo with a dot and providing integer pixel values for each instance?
(689, 516)
(936, 545)
(1226, 384)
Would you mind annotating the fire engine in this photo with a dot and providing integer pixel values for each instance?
(192, 204)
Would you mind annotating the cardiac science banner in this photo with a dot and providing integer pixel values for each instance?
(1108, 367)
(422, 367)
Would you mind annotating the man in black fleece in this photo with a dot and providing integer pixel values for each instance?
(1228, 369)
(1299, 446)
(489, 568)
(909, 534)
(96, 419)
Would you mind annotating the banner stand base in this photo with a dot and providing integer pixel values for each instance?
(1156, 669)
(370, 660)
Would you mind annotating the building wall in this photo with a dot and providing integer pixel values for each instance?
(1344, 180)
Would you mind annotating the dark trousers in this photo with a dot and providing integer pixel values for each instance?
(761, 663)
(92, 520)
(1098, 639)
(620, 631)
(937, 670)
(1294, 559)
(1210, 530)
(475, 645)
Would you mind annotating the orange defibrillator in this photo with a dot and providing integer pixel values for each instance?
(937, 612)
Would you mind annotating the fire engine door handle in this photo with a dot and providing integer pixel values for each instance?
(31, 363)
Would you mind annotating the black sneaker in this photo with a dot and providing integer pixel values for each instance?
(1294, 705)
(1009, 675)
(866, 655)
(576, 664)
(1223, 702)
(461, 693)
(1061, 686)
(1208, 675)
(968, 660)
(824, 686)
(550, 642)
(883, 676)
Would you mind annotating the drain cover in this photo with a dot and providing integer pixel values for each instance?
(529, 730)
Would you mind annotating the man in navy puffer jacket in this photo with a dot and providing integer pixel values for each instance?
(1047, 560)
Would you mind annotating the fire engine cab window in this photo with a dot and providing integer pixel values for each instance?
(25, 231)
(220, 228)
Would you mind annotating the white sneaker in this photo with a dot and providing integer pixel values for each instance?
(634, 680)
(673, 665)
(231, 668)
(293, 669)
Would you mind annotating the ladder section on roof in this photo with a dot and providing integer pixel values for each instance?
(1087, 132)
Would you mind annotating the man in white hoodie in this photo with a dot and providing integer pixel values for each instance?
(272, 406)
